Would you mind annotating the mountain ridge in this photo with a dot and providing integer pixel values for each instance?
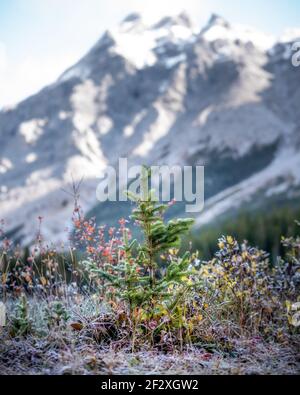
(236, 102)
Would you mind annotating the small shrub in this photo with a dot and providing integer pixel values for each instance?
(287, 270)
(21, 323)
(56, 314)
(239, 277)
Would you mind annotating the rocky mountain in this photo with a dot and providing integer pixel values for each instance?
(225, 96)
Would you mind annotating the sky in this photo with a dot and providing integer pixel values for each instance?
(39, 39)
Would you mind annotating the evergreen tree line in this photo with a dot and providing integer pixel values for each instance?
(262, 229)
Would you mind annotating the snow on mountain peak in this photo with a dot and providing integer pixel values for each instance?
(144, 44)
(219, 29)
(290, 35)
(181, 19)
(137, 41)
(216, 19)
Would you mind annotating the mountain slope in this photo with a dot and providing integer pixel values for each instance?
(225, 97)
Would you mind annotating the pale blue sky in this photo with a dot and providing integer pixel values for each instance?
(40, 38)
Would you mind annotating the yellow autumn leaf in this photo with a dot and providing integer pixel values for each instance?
(184, 278)
(162, 311)
(221, 245)
(288, 305)
(245, 255)
(144, 316)
(230, 240)
(43, 281)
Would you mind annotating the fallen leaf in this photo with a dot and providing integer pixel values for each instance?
(77, 326)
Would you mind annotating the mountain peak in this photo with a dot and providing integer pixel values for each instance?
(216, 19)
(137, 41)
(181, 19)
(132, 23)
(107, 39)
(108, 110)
(133, 17)
(219, 28)
(215, 22)
(185, 19)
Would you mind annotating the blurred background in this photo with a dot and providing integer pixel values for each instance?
(83, 83)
